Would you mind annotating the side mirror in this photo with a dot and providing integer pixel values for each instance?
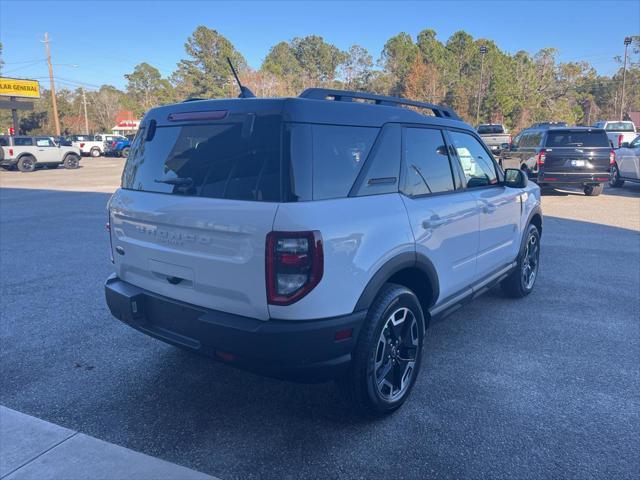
(515, 178)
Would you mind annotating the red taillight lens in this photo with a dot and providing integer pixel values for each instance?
(82, 145)
(620, 139)
(541, 157)
(294, 265)
(612, 157)
(11, 152)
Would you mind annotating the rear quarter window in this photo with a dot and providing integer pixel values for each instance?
(585, 138)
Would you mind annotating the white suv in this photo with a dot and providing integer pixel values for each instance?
(314, 237)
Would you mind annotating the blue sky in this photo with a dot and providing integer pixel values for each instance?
(107, 39)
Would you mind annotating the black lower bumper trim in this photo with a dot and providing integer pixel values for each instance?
(572, 178)
(303, 350)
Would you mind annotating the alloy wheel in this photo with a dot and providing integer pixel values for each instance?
(396, 354)
(530, 262)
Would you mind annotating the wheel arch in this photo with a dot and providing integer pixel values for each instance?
(410, 269)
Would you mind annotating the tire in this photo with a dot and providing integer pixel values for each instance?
(95, 152)
(27, 163)
(125, 152)
(71, 161)
(593, 190)
(615, 181)
(371, 392)
(521, 281)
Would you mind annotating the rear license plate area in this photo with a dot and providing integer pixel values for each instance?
(578, 163)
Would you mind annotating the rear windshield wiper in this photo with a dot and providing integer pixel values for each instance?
(181, 182)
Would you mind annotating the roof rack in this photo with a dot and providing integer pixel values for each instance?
(349, 96)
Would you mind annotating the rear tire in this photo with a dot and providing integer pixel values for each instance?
(27, 163)
(95, 152)
(71, 161)
(615, 181)
(521, 281)
(593, 190)
(125, 152)
(387, 357)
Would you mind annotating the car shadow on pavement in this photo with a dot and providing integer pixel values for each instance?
(555, 373)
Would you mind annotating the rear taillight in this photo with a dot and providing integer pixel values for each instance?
(11, 152)
(294, 265)
(82, 145)
(541, 157)
(612, 157)
(620, 139)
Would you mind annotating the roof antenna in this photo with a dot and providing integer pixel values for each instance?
(244, 91)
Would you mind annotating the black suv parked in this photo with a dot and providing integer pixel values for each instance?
(562, 156)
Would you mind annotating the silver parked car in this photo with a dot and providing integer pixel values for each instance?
(626, 167)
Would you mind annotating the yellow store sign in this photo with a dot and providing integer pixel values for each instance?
(14, 87)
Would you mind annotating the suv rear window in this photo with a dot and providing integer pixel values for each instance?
(488, 129)
(620, 127)
(237, 160)
(577, 138)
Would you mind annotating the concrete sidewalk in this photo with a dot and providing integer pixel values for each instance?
(31, 448)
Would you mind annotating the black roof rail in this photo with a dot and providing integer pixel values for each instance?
(349, 96)
(193, 99)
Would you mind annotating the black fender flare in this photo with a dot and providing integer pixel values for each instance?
(393, 266)
(534, 211)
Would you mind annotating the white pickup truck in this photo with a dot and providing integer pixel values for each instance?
(494, 136)
(88, 144)
(619, 132)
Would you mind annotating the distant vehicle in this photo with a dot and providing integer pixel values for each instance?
(579, 156)
(121, 148)
(88, 145)
(28, 153)
(619, 132)
(494, 135)
(626, 167)
(549, 124)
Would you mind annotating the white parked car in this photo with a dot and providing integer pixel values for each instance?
(28, 153)
(626, 167)
(314, 237)
(619, 132)
(88, 145)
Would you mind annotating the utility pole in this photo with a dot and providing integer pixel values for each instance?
(86, 119)
(53, 86)
(483, 51)
(627, 41)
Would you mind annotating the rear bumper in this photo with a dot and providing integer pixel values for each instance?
(577, 178)
(297, 350)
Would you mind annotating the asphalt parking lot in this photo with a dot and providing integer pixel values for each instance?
(545, 387)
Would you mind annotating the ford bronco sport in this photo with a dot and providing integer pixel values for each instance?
(314, 237)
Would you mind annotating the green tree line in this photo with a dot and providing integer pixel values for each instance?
(516, 89)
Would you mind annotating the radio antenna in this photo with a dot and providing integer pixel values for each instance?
(244, 91)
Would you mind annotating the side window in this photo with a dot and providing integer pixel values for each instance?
(516, 140)
(535, 139)
(338, 155)
(43, 142)
(382, 168)
(477, 165)
(23, 142)
(427, 168)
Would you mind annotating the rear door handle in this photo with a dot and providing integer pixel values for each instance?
(488, 208)
(433, 222)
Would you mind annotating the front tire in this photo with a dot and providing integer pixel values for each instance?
(125, 152)
(615, 181)
(521, 281)
(387, 357)
(27, 163)
(71, 161)
(95, 152)
(593, 190)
